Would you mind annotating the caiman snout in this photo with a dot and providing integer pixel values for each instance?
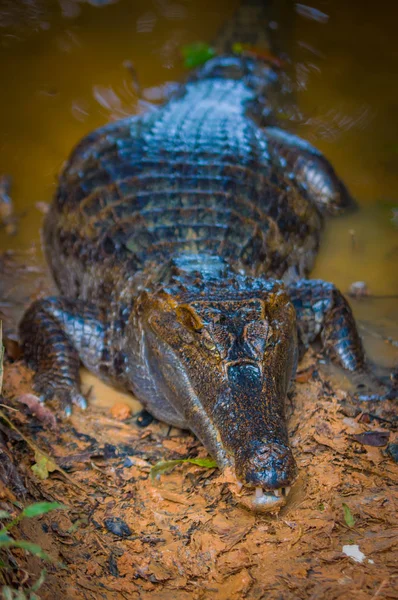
(267, 475)
(264, 463)
(270, 466)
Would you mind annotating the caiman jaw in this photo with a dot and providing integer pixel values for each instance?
(261, 500)
(257, 498)
(268, 501)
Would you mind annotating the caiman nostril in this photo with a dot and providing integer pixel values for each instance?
(270, 466)
(243, 375)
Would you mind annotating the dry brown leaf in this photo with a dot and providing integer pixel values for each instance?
(38, 409)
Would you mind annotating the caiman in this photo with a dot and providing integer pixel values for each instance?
(181, 241)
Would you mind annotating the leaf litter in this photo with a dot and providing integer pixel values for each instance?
(158, 521)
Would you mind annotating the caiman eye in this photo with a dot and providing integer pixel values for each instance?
(257, 333)
(210, 345)
(208, 341)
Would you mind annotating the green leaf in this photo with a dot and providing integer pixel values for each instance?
(348, 518)
(40, 581)
(196, 54)
(41, 508)
(20, 595)
(166, 465)
(43, 466)
(163, 466)
(4, 514)
(28, 546)
(4, 538)
(7, 593)
(208, 463)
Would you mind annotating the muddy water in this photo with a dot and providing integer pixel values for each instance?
(346, 63)
(63, 72)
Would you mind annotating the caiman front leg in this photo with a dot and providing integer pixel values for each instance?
(323, 311)
(309, 169)
(57, 334)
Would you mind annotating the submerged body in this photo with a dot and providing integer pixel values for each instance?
(180, 242)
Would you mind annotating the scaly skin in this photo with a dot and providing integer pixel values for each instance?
(169, 238)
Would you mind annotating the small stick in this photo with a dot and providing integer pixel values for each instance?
(39, 451)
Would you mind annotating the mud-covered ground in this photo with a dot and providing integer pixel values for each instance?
(183, 535)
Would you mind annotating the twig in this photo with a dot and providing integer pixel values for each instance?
(9, 407)
(381, 586)
(38, 450)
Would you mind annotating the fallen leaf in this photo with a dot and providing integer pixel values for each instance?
(120, 411)
(372, 438)
(348, 518)
(43, 466)
(196, 54)
(305, 375)
(392, 450)
(41, 508)
(166, 465)
(171, 497)
(38, 409)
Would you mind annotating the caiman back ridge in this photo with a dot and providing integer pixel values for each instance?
(180, 241)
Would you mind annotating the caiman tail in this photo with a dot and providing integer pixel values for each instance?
(265, 29)
(255, 31)
(247, 26)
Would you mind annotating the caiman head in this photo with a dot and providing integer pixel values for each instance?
(225, 366)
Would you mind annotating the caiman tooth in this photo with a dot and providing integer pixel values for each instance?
(259, 492)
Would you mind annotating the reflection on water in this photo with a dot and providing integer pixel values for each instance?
(69, 67)
(311, 13)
